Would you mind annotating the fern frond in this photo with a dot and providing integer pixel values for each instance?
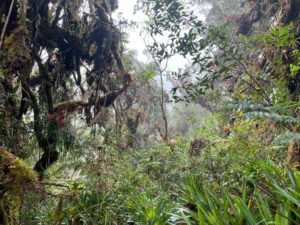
(272, 116)
(251, 107)
(245, 107)
(286, 138)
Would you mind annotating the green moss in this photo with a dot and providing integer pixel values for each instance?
(15, 174)
(14, 202)
(15, 51)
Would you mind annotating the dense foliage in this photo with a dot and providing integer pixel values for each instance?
(89, 134)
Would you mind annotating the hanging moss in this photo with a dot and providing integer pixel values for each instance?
(15, 50)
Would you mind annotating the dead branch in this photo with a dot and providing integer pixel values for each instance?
(6, 22)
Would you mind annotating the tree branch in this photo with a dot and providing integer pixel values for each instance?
(6, 22)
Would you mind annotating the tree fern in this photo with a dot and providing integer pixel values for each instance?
(272, 116)
(286, 137)
(246, 107)
(278, 113)
(251, 107)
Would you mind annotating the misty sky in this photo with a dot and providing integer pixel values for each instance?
(136, 42)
